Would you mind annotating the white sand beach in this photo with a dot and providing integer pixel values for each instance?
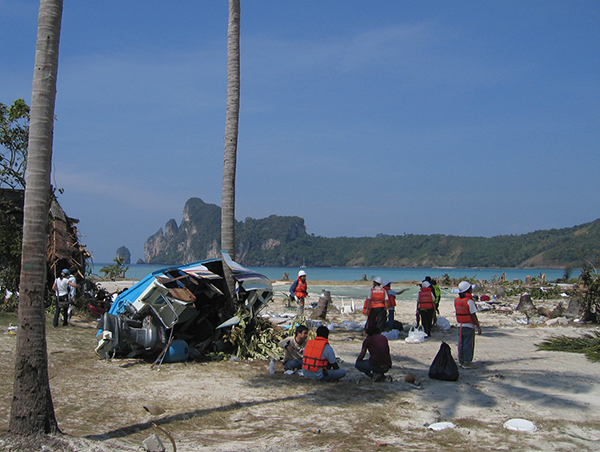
(231, 406)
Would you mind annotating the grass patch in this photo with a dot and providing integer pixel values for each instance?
(588, 344)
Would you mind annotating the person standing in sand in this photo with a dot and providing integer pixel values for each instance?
(299, 289)
(387, 286)
(61, 287)
(425, 306)
(466, 316)
(437, 296)
(376, 305)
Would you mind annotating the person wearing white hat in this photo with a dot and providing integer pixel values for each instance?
(61, 289)
(425, 306)
(299, 289)
(466, 316)
(376, 305)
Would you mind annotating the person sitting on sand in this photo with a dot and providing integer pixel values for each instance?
(379, 361)
(319, 361)
(294, 348)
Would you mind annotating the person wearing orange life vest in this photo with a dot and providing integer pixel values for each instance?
(299, 289)
(426, 307)
(466, 316)
(437, 297)
(376, 305)
(387, 286)
(318, 362)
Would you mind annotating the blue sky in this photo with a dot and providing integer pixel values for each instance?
(464, 118)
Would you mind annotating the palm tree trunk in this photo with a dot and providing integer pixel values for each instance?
(231, 137)
(32, 410)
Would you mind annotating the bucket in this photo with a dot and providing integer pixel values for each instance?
(178, 351)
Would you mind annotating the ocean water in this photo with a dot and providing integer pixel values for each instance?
(352, 296)
(138, 271)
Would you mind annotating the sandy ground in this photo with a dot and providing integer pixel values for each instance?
(231, 406)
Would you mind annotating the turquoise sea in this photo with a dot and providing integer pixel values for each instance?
(352, 296)
(138, 271)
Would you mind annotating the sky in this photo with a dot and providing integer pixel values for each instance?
(463, 118)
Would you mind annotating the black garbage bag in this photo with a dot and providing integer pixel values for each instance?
(443, 366)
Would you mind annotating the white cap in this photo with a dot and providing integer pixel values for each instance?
(425, 284)
(301, 273)
(464, 286)
(378, 280)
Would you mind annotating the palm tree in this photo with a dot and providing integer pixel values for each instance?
(231, 137)
(32, 410)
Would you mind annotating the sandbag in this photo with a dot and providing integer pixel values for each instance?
(443, 366)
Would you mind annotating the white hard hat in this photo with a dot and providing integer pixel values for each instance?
(378, 280)
(301, 273)
(464, 286)
(425, 284)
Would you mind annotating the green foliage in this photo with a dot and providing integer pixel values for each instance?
(283, 241)
(10, 304)
(591, 294)
(536, 293)
(254, 338)
(14, 136)
(588, 344)
(11, 220)
(113, 272)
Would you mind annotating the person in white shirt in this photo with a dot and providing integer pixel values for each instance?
(61, 289)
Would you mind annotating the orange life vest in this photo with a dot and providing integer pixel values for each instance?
(313, 352)
(391, 298)
(425, 298)
(377, 297)
(300, 291)
(463, 313)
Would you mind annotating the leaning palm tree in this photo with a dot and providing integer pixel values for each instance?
(231, 138)
(32, 410)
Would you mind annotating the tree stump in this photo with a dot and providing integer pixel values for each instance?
(321, 310)
(525, 303)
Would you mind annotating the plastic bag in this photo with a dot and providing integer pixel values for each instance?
(443, 366)
(392, 335)
(443, 324)
(416, 335)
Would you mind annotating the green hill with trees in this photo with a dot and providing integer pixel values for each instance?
(283, 241)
